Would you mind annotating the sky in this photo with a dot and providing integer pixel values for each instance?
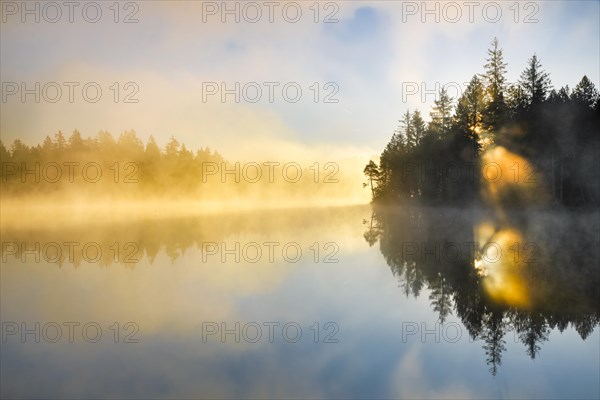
(326, 79)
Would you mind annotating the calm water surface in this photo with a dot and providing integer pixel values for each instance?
(314, 303)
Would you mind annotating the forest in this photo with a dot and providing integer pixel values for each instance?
(554, 133)
(125, 168)
(124, 160)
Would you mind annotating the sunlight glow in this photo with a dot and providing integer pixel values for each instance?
(500, 265)
(511, 179)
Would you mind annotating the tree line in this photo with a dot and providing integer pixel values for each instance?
(125, 159)
(126, 167)
(557, 131)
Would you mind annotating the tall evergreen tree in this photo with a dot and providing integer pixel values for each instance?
(441, 114)
(61, 142)
(585, 93)
(172, 148)
(470, 108)
(495, 81)
(4, 154)
(76, 142)
(372, 172)
(48, 146)
(152, 151)
(562, 96)
(535, 82)
(516, 100)
(408, 130)
(419, 126)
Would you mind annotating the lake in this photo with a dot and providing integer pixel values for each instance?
(339, 302)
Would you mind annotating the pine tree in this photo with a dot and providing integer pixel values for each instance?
(19, 151)
(172, 148)
(61, 142)
(130, 143)
(76, 142)
(418, 126)
(152, 151)
(388, 160)
(106, 140)
(441, 114)
(408, 130)
(562, 96)
(372, 172)
(516, 100)
(48, 146)
(494, 79)
(470, 108)
(4, 154)
(535, 82)
(585, 93)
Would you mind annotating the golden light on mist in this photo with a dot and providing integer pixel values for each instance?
(500, 265)
(510, 178)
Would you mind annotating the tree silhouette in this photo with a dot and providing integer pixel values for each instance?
(494, 76)
(372, 172)
(441, 114)
(470, 108)
(585, 93)
(535, 82)
(555, 131)
(494, 329)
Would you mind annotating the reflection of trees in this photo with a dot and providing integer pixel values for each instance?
(441, 297)
(494, 329)
(134, 242)
(533, 330)
(120, 243)
(372, 233)
(562, 280)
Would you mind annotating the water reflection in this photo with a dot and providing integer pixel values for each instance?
(524, 271)
(165, 275)
(128, 242)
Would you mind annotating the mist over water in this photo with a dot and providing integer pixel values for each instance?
(413, 283)
(299, 200)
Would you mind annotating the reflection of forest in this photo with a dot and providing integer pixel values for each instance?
(131, 242)
(546, 277)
